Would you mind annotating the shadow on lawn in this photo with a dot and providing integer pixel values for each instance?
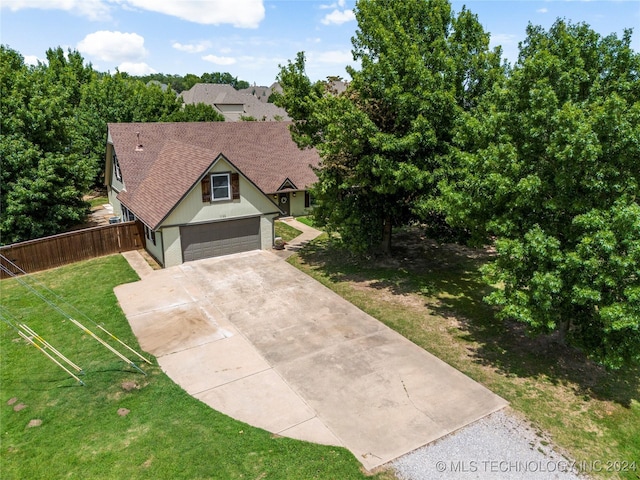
(449, 279)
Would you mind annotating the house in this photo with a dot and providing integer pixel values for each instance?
(206, 189)
(233, 104)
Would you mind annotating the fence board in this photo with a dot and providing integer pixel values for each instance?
(70, 247)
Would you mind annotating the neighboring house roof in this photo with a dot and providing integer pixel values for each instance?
(265, 111)
(163, 86)
(221, 96)
(336, 86)
(175, 156)
(213, 93)
(260, 92)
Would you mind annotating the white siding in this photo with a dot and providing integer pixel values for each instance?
(172, 246)
(114, 186)
(266, 232)
(155, 250)
(297, 204)
(193, 210)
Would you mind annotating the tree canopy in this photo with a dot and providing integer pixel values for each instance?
(179, 83)
(539, 158)
(385, 141)
(549, 166)
(53, 131)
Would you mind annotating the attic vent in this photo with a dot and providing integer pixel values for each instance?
(139, 145)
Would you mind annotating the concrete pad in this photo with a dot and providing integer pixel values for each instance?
(173, 329)
(213, 364)
(138, 263)
(257, 339)
(263, 400)
(313, 430)
(157, 291)
(397, 397)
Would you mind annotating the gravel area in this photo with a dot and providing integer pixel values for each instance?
(497, 447)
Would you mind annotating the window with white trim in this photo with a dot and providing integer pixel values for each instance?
(220, 187)
(127, 215)
(116, 167)
(150, 234)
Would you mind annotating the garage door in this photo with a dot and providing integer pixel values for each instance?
(220, 238)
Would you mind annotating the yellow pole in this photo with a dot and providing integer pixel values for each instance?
(116, 352)
(49, 346)
(49, 356)
(122, 343)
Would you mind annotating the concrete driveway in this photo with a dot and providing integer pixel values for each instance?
(256, 339)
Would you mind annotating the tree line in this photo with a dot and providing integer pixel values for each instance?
(539, 158)
(53, 132)
(180, 83)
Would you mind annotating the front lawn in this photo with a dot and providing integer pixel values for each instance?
(307, 220)
(98, 201)
(432, 294)
(165, 433)
(286, 231)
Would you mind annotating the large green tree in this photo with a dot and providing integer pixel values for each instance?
(552, 170)
(385, 141)
(53, 134)
(44, 169)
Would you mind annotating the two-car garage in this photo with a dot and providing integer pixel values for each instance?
(220, 238)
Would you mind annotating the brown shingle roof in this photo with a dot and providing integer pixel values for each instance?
(175, 156)
(219, 95)
(213, 93)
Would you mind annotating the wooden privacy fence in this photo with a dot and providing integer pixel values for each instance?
(70, 247)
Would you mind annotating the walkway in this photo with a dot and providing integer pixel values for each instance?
(295, 245)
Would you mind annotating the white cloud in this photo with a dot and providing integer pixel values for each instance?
(542, 10)
(339, 4)
(503, 39)
(239, 13)
(509, 43)
(219, 60)
(33, 60)
(192, 48)
(338, 57)
(136, 68)
(92, 9)
(114, 47)
(338, 17)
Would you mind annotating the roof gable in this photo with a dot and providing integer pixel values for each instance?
(167, 181)
(287, 185)
(175, 156)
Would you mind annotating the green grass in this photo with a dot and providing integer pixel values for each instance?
(286, 231)
(167, 435)
(98, 201)
(307, 220)
(432, 294)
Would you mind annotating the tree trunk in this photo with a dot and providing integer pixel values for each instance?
(385, 245)
(563, 329)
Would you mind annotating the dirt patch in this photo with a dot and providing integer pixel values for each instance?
(123, 412)
(415, 251)
(36, 422)
(128, 386)
(18, 407)
(11, 401)
(150, 260)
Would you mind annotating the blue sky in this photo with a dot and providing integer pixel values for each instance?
(250, 38)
